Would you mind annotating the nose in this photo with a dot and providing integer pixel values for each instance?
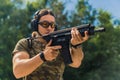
(50, 27)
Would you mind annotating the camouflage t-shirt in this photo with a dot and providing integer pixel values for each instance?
(50, 70)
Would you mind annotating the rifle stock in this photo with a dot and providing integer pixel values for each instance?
(62, 37)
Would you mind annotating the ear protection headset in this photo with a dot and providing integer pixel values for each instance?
(34, 22)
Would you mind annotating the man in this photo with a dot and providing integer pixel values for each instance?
(43, 61)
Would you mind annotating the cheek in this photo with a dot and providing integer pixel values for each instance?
(41, 30)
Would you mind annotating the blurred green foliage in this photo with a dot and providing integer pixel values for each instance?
(101, 61)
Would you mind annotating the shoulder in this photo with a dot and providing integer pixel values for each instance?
(21, 45)
(23, 41)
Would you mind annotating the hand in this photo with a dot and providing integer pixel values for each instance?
(51, 52)
(77, 38)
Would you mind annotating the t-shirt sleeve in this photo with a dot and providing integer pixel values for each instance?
(21, 45)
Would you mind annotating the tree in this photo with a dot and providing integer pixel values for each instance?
(101, 60)
(6, 7)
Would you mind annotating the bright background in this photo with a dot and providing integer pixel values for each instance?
(112, 6)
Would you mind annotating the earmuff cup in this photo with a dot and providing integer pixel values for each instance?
(34, 25)
(34, 22)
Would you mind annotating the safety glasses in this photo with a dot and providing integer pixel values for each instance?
(46, 24)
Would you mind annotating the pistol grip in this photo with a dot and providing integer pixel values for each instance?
(65, 53)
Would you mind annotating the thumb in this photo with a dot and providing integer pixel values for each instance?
(49, 43)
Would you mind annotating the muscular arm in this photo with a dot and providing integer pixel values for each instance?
(77, 53)
(23, 65)
(77, 57)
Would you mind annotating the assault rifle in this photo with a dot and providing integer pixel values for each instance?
(62, 37)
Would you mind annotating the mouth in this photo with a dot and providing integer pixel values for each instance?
(47, 32)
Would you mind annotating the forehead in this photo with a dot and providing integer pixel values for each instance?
(47, 17)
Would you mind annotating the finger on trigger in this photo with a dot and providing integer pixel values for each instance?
(56, 47)
(49, 43)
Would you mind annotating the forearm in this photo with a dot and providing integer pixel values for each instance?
(77, 56)
(24, 67)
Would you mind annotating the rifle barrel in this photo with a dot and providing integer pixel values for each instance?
(102, 29)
